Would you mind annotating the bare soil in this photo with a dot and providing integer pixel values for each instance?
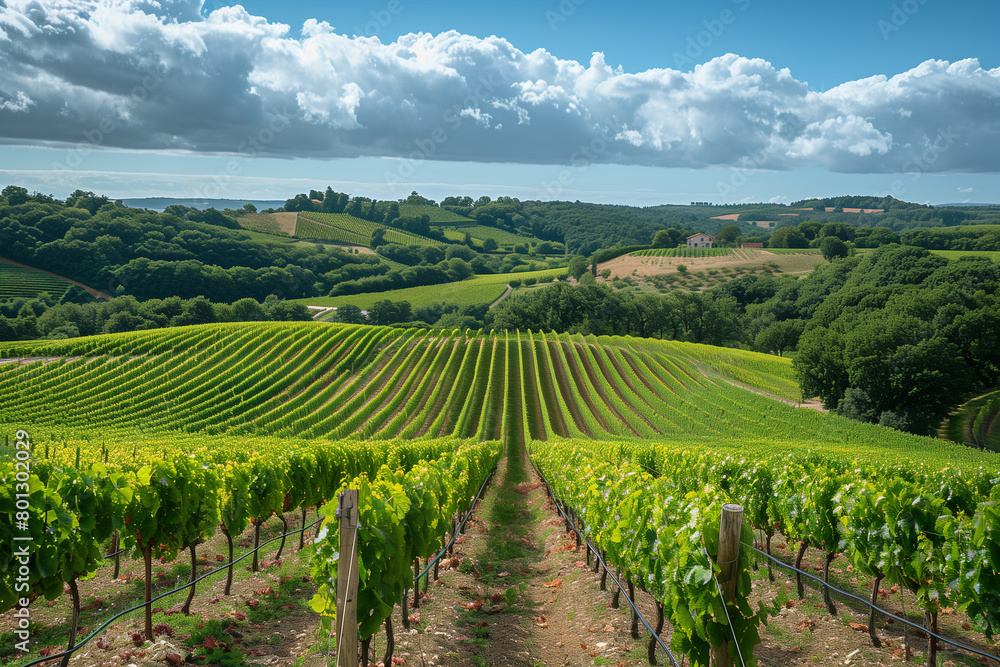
(286, 222)
(744, 258)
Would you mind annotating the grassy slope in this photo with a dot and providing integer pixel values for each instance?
(468, 292)
(267, 223)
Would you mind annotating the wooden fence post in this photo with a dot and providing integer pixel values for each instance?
(730, 531)
(347, 581)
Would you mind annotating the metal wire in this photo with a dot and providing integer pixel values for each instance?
(458, 529)
(844, 593)
(868, 604)
(101, 627)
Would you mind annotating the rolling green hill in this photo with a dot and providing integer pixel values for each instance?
(469, 292)
(215, 385)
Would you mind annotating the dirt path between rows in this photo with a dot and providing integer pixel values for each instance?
(516, 592)
(812, 404)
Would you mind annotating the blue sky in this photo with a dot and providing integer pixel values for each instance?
(728, 101)
(823, 43)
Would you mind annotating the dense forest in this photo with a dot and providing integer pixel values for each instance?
(907, 334)
(122, 250)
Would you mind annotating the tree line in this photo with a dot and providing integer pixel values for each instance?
(43, 317)
(121, 250)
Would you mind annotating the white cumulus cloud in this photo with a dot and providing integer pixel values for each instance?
(161, 76)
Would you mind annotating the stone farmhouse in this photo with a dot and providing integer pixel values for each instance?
(700, 240)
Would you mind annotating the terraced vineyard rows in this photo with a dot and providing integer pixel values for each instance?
(309, 229)
(18, 281)
(683, 252)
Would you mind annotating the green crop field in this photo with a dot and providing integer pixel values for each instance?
(19, 281)
(344, 228)
(453, 234)
(957, 254)
(683, 252)
(469, 292)
(438, 216)
(502, 237)
(306, 379)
